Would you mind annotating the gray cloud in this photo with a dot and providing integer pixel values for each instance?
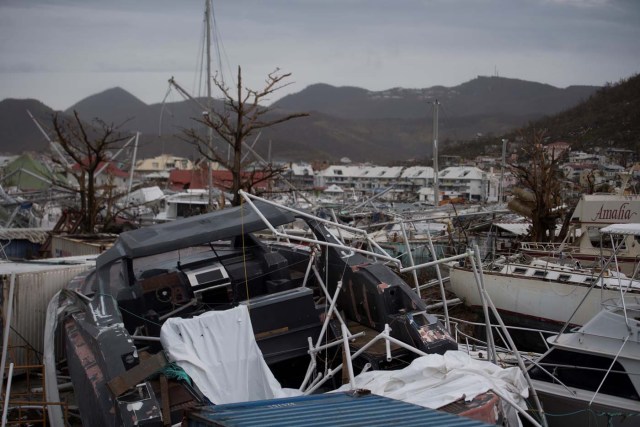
(83, 47)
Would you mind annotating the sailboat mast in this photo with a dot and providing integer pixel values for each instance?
(209, 100)
(436, 189)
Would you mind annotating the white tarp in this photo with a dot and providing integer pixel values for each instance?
(219, 352)
(519, 228)
(436, 380)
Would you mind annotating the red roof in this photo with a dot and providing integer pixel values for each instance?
(197, 179)
(111, 169)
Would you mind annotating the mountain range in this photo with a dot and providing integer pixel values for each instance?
(378, 126)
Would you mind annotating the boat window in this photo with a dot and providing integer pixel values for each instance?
(590, 279)
(185, 210)
(540, 273)
(604, 241)
(586, 372)
(148, 266)
(519, 270)
(564, 277)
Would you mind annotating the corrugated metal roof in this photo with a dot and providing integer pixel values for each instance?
(330, 410)
(35, 286)
(47, 264)
(34, 235)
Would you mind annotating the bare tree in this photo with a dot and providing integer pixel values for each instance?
(540, 187)
(88, 147)
(242, 117)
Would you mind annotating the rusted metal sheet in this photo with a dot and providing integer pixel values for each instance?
(35, 285)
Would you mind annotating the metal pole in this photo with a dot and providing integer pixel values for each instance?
(476, 268)
(408, 246)
(347, 350)
(6, 396)
(209, 101)
(440, 282)
(487, 301)
(52, 143)
(436, 184)
(7, 326)
(501, 184)
(133, 168)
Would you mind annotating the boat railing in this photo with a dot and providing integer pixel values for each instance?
(628, 306)
(375, 250)
(553, 247)
(461, 336)
(474, 346)
(632, 303)
(556, 252)
(311, 384)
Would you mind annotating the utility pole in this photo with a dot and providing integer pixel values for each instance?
(436, 189)
(501, 185)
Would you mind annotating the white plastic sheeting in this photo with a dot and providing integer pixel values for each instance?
(436, 380)
(219, 352)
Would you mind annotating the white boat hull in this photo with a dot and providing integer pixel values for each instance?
(541, 300)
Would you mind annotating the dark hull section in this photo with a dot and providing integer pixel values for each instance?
(283, 322)
(563, 411)
(524, 330)
(373, 295)
(112, 317)
(93, 361)
(88, 377)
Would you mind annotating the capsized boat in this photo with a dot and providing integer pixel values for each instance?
(110, 319)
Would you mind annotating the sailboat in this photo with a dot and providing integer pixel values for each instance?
(583, 242)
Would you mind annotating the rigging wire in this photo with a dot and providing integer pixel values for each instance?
(197, 84)
(220, 50)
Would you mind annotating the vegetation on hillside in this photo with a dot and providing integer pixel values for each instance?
(608, 118)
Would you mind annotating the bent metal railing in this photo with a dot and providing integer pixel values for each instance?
(310, 385)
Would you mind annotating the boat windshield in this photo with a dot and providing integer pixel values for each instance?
(585, 371)
(599, 241)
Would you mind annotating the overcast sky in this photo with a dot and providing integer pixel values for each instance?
(61, 51)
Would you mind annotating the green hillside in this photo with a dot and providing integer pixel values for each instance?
(608, 118)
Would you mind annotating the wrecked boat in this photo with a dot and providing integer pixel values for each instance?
(110, 319)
